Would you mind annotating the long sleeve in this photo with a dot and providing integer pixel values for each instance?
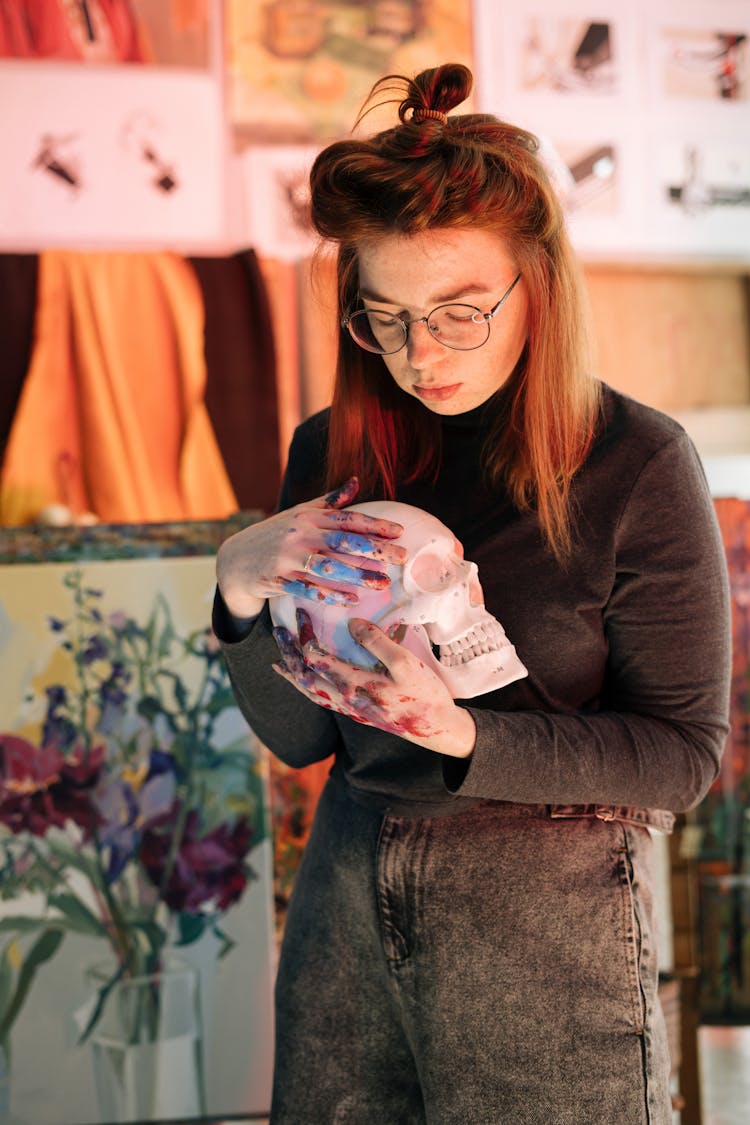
(657, 740)
(627, 644)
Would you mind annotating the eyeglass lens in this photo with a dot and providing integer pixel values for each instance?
(462, 327)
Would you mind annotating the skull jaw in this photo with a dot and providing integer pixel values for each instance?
(477, 676)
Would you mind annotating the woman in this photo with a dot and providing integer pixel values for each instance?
(471, 935)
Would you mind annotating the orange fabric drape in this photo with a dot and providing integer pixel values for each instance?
(112, 417)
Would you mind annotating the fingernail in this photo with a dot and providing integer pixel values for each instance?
(397, 632)
(284, 640)
(343, 494)
(305, 627)
(373, 580)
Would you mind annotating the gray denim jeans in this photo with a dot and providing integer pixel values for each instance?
(492, 966)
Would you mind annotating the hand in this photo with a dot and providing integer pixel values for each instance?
(401, 695)
(290, 551)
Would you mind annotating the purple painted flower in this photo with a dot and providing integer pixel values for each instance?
(94, 649)
(113, 698)
(208, 870)
(127, 806)
(58, 730)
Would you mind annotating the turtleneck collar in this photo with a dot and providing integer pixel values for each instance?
(480, 418)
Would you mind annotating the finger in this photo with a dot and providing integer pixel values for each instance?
(366, 708)
(321, 696)
(291, 655)
(308, 688)
(300, 587)
(361, 521)
(343, 495)
(305, 629)
(351, 543)
(323, 663)
(335, 570)
(329, 668)
(385, 649)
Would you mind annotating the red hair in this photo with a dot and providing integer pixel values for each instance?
(469, 170)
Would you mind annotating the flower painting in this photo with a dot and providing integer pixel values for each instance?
(132, 836)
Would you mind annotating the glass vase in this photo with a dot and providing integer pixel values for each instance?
(146, 1045)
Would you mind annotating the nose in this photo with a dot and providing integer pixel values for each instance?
(422, 348)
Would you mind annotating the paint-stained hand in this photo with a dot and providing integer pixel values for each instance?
(317, 550)
(401, 695)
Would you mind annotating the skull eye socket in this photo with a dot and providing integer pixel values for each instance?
(430, 572)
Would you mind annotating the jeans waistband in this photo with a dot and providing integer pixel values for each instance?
(653, 818)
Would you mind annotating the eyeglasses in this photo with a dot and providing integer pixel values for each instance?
(457, 326)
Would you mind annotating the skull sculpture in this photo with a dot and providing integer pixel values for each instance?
(436, 594)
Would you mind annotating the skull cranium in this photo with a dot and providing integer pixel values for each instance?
(436, 594)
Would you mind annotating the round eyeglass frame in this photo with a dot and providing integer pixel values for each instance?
(487, 317)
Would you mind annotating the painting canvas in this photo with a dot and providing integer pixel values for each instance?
(276, 195)
(722, 820)
(136, 928)
(299, 72)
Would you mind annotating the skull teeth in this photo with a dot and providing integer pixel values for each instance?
(483, 637)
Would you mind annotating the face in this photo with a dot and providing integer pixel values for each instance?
(409, 275)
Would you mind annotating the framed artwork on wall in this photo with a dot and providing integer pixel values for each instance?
(298, 73)
(113, 128)
(644, 113)
(276, 198)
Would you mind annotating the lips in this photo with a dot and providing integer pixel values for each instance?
(437, 394)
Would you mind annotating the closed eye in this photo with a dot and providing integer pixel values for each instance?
(456, 314)
(377, 317)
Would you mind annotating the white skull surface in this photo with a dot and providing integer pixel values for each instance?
(436, 593)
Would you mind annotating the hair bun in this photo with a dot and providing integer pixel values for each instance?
(433, 93)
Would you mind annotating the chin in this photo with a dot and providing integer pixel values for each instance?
(450, 406)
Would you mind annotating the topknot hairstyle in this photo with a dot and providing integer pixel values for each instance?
(432, 169)
(439, 169)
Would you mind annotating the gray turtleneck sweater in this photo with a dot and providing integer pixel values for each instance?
(627, 646)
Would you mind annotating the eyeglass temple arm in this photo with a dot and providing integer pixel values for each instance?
(494, 311)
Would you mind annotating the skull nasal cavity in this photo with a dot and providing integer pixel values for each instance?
(431, 572)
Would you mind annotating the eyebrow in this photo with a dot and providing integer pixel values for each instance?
(474, 289)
